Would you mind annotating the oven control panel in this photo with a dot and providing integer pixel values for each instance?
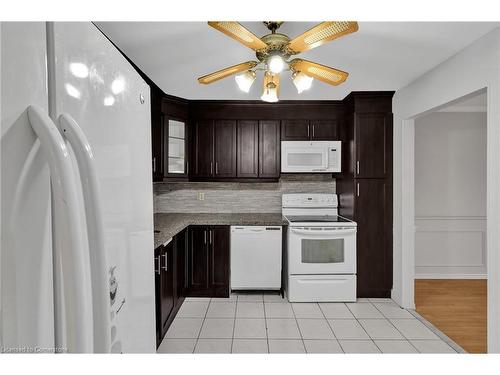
(309, 200)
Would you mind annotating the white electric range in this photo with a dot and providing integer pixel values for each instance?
(321, 249)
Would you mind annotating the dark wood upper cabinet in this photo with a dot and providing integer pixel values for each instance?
(225, 149)
(295, 130)
(372, 132)
(324, 130)
(374, 250)
(203, 149)
(269, 149)
(156, 134)
(247, 149)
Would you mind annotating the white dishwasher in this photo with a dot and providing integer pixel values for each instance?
(256, 257)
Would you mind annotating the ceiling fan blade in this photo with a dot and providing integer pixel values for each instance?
(223, 73)
(274, 78)
(321, 72)
(241, 34)
(320, 34)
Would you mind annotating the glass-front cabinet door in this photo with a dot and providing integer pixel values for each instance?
(176, 147)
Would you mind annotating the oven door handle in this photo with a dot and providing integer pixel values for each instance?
(335, 232)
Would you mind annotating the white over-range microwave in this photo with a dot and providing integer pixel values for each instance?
(310, 156)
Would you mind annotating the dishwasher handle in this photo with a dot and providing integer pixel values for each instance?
(254, 229)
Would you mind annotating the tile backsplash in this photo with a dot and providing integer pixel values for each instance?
(228, 197)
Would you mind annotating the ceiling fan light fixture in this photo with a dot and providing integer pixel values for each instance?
(270, 93)
(276, 64)
(245, 80)
(301, 81)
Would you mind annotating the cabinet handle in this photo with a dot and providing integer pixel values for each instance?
(357, 166)
(205, 236)
(154, 164)
(210, 236)
(357, 189)
(216, 168)
(307, 131)
(313, 131)
(158, 271)
(211, 168)
(165, 267)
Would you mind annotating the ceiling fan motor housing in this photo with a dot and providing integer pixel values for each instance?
(276, 45)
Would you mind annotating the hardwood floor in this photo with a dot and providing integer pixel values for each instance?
(457, 308)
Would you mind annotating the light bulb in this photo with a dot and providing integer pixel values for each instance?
(301, 81)
(276, 64)
(270, 93)
(245, 80)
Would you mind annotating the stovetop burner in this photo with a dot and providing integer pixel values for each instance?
(317, 219)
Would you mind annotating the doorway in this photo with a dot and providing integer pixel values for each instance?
(450, 264)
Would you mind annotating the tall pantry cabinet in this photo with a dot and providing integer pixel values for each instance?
(365, 187)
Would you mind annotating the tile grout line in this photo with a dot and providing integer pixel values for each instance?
(396, 328)
(202, 324)
(297, 323)
(331, 329)
(357, 320)
(234, 322)
(265, 324)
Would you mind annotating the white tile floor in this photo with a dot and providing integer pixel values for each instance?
(266, 323)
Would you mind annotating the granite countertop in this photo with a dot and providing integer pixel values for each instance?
(169, 224)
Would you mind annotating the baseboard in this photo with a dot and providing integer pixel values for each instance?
(450, 276)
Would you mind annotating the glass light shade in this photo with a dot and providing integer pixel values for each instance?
(270, 93)
(302, 82)
(276, 64)
(245, 80)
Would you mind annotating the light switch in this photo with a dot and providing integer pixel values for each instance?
(201, 196)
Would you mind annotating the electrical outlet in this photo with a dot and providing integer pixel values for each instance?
(201, 196)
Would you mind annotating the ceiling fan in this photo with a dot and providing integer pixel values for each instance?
(273, 51)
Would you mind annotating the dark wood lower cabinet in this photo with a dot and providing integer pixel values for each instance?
(208, 261)
(169, 282)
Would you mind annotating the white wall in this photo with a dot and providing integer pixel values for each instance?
(474, 68)
(450, 195)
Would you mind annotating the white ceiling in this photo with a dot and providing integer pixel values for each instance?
(380, 56)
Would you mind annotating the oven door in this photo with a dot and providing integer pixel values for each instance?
(303, 157)
(321, 250)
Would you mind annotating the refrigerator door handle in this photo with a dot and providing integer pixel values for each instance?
(95, 231)
(70, 248)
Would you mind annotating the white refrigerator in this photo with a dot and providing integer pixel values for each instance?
(76, 256)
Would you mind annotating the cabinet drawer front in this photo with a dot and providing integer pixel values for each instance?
(322, 288)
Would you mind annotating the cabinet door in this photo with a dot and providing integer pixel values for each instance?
(157, 258)
(225, 148)
(219, 261)
(197, 266)
(269, 149)
(295, 130)
(181, 254)
(156, 135)
(167, 284)
(374, 255)
(324, 130)
(373, 144)
(203, 149)
(248, 149)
